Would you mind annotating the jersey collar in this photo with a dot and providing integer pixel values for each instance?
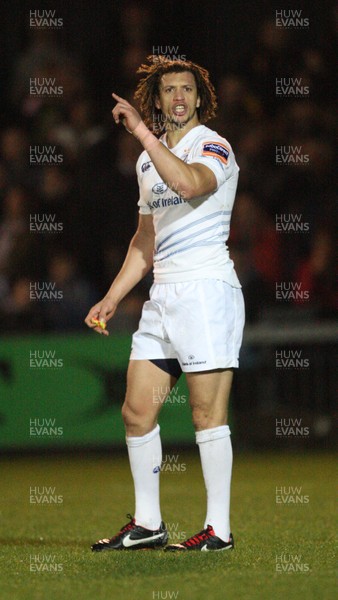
(184, 139)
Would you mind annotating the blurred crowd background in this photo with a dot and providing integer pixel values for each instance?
(92, 191)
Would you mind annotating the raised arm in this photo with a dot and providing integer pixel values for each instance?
(190, 180)
(137, 264)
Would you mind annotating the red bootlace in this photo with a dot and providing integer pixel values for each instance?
(126, 527)
(200, 537)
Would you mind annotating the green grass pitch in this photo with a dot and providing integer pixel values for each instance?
(93, 495)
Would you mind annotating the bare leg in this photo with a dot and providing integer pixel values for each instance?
(209, 397)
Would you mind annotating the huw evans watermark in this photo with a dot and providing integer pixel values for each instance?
(44, 495)
(291, 155)
(291, 428)
(291, 563)
(291, 359)
(291, 290)
(165, 594)
(291, 19)
(164, 122)
(168, 396)
(291, 87)
(44, 359)
(291, 495)
(170, 464)
(176, 535)
(44, 563)
(45, 19)
(168, 52)
(44, 155)
(44, 428)
(291, 223)
(44, 87)
(44, 223)
(44, 290)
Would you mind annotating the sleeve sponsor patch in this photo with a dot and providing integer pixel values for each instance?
(216, 150)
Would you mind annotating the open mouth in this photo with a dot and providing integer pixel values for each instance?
(180, 110)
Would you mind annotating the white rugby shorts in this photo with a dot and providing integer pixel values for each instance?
(200, 323)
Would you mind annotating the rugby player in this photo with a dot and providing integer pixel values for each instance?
(194, 319)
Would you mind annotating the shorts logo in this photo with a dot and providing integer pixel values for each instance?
(156, 469)
(146, 166)
(216, 150)
(193, 362)
(160, 188)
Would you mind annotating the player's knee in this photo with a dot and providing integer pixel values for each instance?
(200, 418)
(206, 418)
(133, 417)
(128, 415)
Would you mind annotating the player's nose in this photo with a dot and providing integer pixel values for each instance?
(179, 94)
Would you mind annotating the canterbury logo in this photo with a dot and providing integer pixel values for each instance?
(128, 542)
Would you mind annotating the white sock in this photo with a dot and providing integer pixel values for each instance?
(216, 458)
(145, 457)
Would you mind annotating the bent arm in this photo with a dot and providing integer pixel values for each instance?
(190, 181)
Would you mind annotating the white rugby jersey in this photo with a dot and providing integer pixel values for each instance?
(190, 236)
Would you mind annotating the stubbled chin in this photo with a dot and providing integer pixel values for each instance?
(180, 121)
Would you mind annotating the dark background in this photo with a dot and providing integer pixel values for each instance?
(92, 193)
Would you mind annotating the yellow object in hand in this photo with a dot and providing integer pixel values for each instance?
(100, 323)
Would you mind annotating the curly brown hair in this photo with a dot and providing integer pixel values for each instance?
(148, 88)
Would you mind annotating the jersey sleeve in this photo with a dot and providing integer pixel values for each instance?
(216, 154)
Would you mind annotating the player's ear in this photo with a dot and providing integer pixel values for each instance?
(198, 103)
(157, 103)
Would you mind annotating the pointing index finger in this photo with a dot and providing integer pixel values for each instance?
(118, 97)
